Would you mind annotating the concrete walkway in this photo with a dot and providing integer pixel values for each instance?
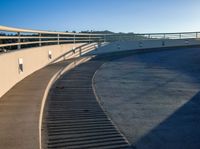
(20, 109)
(154, 98)
(73, 118)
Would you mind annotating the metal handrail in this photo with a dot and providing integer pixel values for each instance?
(37, 37)
(11, 29)
(21, 37)
(152, 36)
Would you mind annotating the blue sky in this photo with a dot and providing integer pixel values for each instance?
(139, 16)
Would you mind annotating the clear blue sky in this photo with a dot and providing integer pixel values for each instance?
(137, 16)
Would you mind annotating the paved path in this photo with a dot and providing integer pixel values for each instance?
(20, 109)
(74, 118)
(154, 98)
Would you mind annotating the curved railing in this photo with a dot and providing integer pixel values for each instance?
(152, 36)
(15, 38)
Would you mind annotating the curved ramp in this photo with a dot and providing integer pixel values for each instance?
(20, 109)
(74, 118)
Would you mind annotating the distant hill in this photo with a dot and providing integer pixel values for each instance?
(98, 32)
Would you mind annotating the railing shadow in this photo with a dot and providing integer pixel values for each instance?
(76, 52)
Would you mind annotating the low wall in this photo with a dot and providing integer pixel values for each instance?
(36, 58)
(144, 44)
(33, 59)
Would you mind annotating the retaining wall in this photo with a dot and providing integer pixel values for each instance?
(145, 44)
(33, 59)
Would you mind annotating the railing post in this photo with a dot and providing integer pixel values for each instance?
(99, 42)
(89, 38)
(180, 36)
(19, 40)
(104, 38)
(196, 34)
(164, 36)
(40, 40)
(74, 39)
(58, 37)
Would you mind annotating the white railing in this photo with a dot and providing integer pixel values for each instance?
(15, 38)
(152, 36)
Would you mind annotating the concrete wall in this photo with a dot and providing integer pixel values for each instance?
(36, 58)
(33, 59)
(131, 45)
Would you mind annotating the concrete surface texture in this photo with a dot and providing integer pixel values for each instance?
(73, 118)
(154, 98)
(20, 109)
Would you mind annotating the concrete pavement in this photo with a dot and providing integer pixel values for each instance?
(154, 98)
(20, 109)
